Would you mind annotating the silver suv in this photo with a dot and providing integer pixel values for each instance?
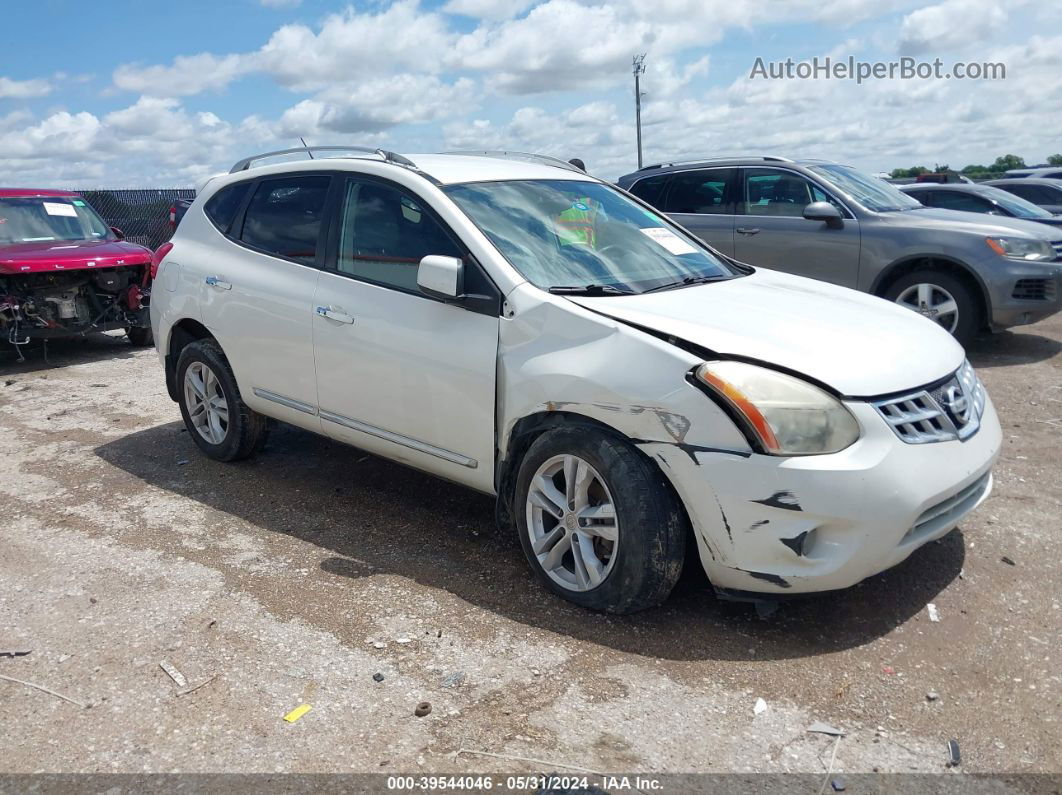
(835, 223)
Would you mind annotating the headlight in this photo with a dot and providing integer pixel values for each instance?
(788, 416)
(1021, 248)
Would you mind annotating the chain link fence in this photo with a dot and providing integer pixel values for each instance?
(142, 215)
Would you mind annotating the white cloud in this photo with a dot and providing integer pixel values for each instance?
(189, 74)
(23, 89)
(951, 24)
(488, 9)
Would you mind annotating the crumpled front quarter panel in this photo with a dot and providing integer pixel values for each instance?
(556, 356)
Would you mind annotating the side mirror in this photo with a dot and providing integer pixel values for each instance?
(825, 212)
(441, 277)
(118, 233)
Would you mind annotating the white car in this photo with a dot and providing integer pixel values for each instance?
(513, 325)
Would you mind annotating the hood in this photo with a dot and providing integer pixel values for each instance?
(857, 344)
(981, 224)
(70, 255)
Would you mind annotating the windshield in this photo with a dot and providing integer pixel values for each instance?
(1013, 204)
(873, 193)
(570, 233)
(35, 219)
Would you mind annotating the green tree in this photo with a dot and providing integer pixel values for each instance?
(1007, 162)
(974, 169)
(1054, 160)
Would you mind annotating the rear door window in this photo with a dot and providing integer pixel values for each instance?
(701, 192)
(221, 208)
(651, 189)
(284, 217)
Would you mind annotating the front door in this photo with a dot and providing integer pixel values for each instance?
(400, 374)
(771, 230)
(257, 295)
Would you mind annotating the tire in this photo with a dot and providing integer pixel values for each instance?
(640, 564)
(242, 432)
(140, 336)
(940, 288)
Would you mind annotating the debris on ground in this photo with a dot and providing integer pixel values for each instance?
(824, 728)
(193, 688)
(377, 677)
(932, 695)
(15, 652)
(954, 756)
(422, 709)
(527, 759)
(838, 784)
(454, 679)
(1008, 561)
(932, 610)
(888, 669)
(43, 689)
(297, 713)
(760, 707)
(403, 640)
(173, 673)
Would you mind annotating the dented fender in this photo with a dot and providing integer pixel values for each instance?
(557, 356)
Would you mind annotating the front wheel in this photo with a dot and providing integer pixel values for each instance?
(218, 421)
(597, 521)
(943, 298)
(140, 336)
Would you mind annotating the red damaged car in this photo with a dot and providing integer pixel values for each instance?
(63, 272)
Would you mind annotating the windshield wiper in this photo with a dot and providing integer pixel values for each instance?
(685, 283)
(590, 289)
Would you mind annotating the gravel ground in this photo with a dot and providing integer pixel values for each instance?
(296, 576)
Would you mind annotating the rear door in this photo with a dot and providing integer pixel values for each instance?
(703, 201)
(401, 374)
(256, 295)
(771, 230)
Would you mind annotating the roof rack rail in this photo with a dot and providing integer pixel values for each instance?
(544, 159)
(769, 158)
(389, 157)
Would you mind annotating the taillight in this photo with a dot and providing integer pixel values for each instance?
(158, 257)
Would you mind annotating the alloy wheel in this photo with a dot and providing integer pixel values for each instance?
(572, 523)
(205, 400)
(932, 301)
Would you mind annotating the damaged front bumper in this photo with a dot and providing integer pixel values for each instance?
(767, 525)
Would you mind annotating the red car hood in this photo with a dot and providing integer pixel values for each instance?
(58, 255)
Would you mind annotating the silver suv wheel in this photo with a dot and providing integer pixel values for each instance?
(572, 523)
(206, 403)
(932, 301)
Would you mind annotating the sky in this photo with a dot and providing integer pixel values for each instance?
(118, 93)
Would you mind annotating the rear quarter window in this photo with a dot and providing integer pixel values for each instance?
(221, 208)
(651, 190)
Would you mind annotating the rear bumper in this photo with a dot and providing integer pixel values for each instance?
(769, 525)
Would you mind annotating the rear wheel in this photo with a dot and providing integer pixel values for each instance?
(140, 336)
(597, 521)
(943, 298)
(218, 421)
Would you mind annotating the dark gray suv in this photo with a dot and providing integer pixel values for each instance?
(835, 223)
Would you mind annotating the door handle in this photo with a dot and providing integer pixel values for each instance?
(214, 281)
(332, 314)
(747, 230)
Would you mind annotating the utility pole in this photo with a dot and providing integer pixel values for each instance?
(639, 70)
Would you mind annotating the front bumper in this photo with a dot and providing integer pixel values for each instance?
(772, 525)
(1021, 294)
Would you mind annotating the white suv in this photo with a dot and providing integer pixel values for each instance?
(513, 325)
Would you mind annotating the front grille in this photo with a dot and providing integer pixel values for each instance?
(1034, 289)
(948, 411)
(948, 511)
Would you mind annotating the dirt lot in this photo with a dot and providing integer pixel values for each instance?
(297, 576)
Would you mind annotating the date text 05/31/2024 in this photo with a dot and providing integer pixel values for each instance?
(520, 783)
